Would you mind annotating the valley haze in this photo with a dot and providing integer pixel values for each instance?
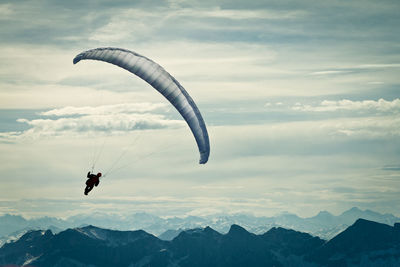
(324, 225)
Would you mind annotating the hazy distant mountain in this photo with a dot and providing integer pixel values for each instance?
(365, 243)
(324, 224)
(11, 223)
(349, 216)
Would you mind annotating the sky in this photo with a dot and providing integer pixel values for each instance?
(301, 100)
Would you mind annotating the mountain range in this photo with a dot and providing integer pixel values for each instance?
(324, 225)
(365, 243)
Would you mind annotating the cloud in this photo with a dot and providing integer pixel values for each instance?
(108, 119)
(103, 123)
(369, 127)
(379, 66)
(356, 69)
(391, 168)
(239, 14)
(329, 72)
(106, 109)
(119, 27)
(9, 136)
(381, 105)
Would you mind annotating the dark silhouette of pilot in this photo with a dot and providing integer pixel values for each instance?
(93, 180)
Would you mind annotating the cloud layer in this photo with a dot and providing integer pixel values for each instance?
(89, 121)
(379, 106)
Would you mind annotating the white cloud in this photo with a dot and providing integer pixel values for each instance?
(239, 14)
(102, 123)
(380, 118)
(106, 109)
(380, 105)
(370, 127)
(9, 136)
(378, 66)
(109, 119)
(329, 72)
(356, 68)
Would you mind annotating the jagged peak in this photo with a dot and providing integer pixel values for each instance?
(279, 229)
(34, 234)
(236, 229)
(188, 232)
(208, 229)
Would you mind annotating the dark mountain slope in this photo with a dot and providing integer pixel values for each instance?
(362, 239)
(290, 242)
(365, 243)
(88, 246)
(206, 247)
(26, 248)
(92, 246)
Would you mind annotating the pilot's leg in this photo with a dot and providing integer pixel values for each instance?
(88, 189)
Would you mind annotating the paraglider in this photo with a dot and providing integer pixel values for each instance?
(92, 181)
(163, 82)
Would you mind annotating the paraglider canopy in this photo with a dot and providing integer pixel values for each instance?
(163, 82)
